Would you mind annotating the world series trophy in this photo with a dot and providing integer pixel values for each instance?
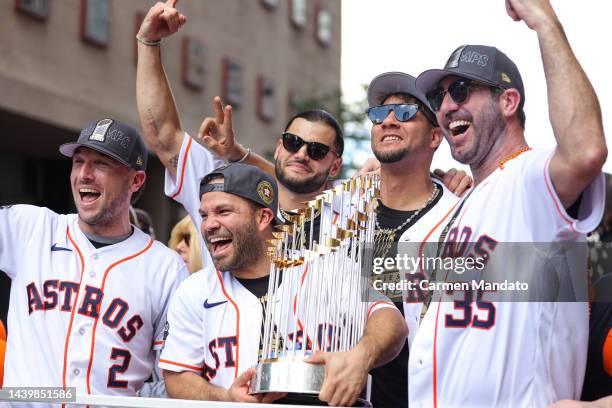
(317, 293)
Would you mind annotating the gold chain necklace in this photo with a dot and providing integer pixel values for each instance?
(513, 156)
(385, 237)
(287, 215)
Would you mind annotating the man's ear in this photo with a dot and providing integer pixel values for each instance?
(336, 166)
(265, 218)
(138, 180)
(509, 102)
(436, 137)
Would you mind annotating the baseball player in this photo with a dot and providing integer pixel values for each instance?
(215, 318)
(405, 136)
(89, 291)
(472, 350)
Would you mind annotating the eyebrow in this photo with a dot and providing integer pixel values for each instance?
(219, 207)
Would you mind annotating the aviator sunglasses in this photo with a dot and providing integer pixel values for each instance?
(458, 90)
(316, 151)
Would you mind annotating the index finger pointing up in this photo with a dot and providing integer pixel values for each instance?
(218, 110)
(172, 3)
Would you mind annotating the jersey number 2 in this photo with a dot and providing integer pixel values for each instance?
(125, 357)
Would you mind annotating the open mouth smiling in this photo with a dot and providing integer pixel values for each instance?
(458, 127)
(89, 195)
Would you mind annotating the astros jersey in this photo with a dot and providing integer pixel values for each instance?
(214, 327)
(194, 162)
(79, 316)
(427, 229)
(489, 353)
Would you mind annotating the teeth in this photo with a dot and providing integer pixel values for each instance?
(390, 138)
(215, 240)
(88, 190)
(457, 123)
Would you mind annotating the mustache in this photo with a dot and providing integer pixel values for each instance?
(298, 161)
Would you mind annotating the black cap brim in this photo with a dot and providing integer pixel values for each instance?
(68, 149)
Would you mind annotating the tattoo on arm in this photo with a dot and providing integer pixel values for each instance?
(174, 161)
(152, 121)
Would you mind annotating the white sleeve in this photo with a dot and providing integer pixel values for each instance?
(176, 274)
(18, 224)
(194, 163)
(184, 349)
(544, 205)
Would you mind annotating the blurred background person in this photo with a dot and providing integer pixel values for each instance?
(184, 240)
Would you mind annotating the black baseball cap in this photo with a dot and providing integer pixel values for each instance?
(480, 63)
(394, 82)
(114, 139)
(246, 181)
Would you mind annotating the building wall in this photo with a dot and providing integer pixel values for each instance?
(52, 82)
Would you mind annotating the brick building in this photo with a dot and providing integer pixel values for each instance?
(64, 63)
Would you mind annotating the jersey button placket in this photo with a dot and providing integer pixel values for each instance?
(92, 271)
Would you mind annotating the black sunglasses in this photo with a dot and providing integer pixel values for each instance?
(403, 112)
(458, 90)
(316, 151)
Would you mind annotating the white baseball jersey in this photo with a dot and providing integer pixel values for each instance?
(80, 316)
(215, 326)
(515, 354)
(427, 229)
(194, 162)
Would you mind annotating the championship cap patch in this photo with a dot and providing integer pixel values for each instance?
(99, 132)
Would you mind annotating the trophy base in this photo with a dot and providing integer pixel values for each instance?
(302, 381)
(288, 375)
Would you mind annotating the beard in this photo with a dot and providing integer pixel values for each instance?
(488, 125)
(305, 185)
(248, 248)
(390, 157)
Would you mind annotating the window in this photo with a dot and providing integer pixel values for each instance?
(95, 22)
(193, 63)
(38, 9)
(324, 27)
(298, 13)
(295, 103)
(266, 102)
(270, 4)
(231, 82)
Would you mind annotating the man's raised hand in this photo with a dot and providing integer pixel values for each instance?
(217, 133)
(162, 20)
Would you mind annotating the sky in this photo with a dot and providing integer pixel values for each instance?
(412, 36)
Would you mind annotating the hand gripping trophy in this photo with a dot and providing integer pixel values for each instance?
(318, 293)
